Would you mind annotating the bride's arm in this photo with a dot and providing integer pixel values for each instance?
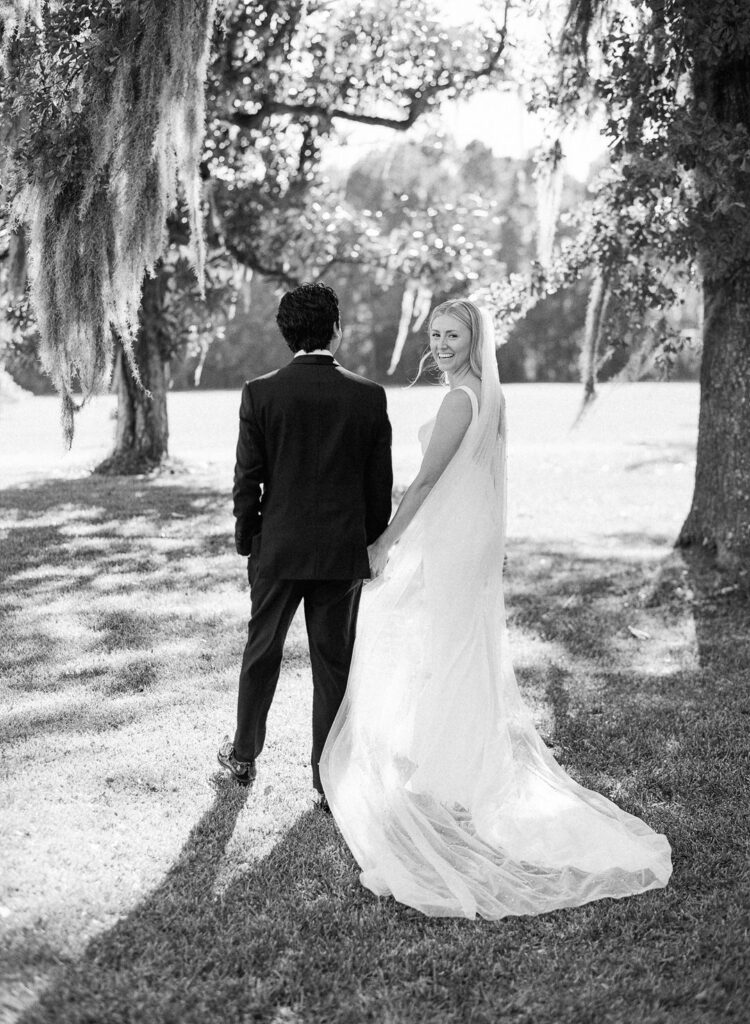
(453, 419)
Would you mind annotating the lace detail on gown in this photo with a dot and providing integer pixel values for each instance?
(446, 795)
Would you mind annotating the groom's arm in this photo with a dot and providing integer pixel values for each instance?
(379, 476)
(248, 475)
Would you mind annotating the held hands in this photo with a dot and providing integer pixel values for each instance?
(377, 553)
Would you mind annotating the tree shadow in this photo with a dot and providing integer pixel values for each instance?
(63, 533)
(653, 716)
(579, 602)
(293, 937)
(93, 570)
(689, 582)
(586, 604)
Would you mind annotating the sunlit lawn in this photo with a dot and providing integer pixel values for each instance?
(138, 885)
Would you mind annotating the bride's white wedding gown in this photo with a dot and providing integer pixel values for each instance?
(442, 788)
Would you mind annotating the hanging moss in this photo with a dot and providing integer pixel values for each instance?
(13, 17)
(108, 116)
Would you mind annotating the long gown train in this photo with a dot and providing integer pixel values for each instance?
(442, 788)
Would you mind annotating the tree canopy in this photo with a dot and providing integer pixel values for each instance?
(673, 77)
(106, 115)
(672, 81)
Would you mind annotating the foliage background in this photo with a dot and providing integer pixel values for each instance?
(407, 176)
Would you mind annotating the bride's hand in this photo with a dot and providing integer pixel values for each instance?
(377, 553)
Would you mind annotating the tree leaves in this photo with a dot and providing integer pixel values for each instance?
(106, 102)
(674, 203)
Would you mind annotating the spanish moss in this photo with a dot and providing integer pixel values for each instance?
(94, 175)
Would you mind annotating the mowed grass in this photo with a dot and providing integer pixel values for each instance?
(140, 885)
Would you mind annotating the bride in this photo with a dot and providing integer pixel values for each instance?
(434, 772)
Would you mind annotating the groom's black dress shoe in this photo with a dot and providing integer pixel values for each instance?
(243, 771)
(321, 803)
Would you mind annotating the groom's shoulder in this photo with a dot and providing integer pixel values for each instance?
(364, 382)
(262, 381)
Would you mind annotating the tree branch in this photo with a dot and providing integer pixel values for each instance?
(275, 273)
(249, 122)
(420, 99)
(353, 261)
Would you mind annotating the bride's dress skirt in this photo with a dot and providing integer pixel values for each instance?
(442, 788)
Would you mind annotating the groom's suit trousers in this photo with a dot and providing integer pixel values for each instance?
(331, 608)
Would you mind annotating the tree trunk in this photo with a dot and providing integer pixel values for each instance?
(719, 518)
(141, 441)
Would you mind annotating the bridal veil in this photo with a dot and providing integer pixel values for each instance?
(442, 788)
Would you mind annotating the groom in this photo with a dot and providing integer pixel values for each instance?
(312, 488)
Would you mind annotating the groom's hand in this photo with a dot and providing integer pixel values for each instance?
(242, 542)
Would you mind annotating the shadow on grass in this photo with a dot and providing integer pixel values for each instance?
(293, 937)
(97, 520)
(155, 958)
(581, 602)
(103, 590)
(584, 603)
(720, 606)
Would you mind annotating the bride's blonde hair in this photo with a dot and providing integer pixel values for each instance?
(468, 314)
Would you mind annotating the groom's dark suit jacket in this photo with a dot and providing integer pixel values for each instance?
(313, 478)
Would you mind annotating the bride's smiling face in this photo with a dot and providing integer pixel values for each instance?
(450, 342)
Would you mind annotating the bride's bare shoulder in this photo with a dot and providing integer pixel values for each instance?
(455, 405)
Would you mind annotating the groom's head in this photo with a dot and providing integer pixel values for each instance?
(308, 317)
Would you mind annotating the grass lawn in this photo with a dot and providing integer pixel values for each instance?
(139, 885)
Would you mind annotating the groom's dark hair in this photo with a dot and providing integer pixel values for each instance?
(307, 316)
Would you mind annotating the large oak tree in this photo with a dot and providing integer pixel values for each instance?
(90, 87)
(673, 77)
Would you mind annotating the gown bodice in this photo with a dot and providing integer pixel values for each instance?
(425, 431)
